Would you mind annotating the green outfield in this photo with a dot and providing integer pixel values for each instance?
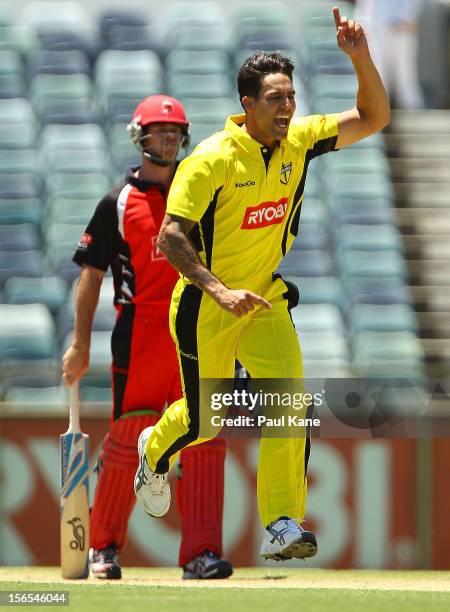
(253, 589)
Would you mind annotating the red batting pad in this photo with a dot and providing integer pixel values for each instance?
(200, 499)
(114, 495)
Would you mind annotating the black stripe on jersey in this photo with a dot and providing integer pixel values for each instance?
(309, 415)
(320, 147)
(186, 331)
(121, 354)
(123, 274)
(195, 237)
(207, 225)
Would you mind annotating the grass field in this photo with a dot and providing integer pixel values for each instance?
(252, 589)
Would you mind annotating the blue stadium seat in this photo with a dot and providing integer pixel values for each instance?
(47, 90)
(19, 237)
(324, 345)
(137, 38)
(319, 290)
(15, 110)
(366, 216)
(59, 62)
(21, 161)
(69, 210)
(185, 16)
(63, 39)
(201, 109)
(49, 380)
(24, 185)
(68, 114)
(34, 398)
(20, 210)
(114, 19)
(197, 62)
(12, 86)
(313, 210)
(14, 137)
(48, 290)
(383, 318)
(20, 263)
(307, 263)
(27, 332)
(318, 317)
(201, 37)
(368, 237)
(183, 85)
(357, 263)
(378, 291)
(41, 16)
(312, 236)
(69, 184)
(389, 354)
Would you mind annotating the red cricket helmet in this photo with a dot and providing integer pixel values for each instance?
(157, 109)
(160, 109)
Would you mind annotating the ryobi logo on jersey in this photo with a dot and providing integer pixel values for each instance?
(247, 184)
(267, 213)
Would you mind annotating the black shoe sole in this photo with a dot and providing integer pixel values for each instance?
(303, 548)
(218, 571)
(112, 574)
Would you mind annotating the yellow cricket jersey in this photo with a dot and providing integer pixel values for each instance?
(247, 214)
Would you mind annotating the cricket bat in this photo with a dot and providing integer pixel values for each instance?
(74, 448)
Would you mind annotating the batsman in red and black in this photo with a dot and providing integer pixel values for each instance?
(145, 376)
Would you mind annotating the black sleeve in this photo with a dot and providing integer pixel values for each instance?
(99, 243)
(326, 145)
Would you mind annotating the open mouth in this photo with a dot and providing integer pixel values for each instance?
(282, 122)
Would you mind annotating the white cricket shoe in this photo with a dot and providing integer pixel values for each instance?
(286, 539)
(152, 490)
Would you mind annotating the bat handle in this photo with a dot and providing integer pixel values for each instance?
(74, 408)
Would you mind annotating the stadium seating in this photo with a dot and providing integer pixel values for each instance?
(47, 14)
(20, 263)
(27, 333)
(48, 290)
(68, 87)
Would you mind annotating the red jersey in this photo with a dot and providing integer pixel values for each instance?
(122, 235)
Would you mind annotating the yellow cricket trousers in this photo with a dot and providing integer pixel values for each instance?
(208, 340)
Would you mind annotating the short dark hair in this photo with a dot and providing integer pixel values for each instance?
(256, 67)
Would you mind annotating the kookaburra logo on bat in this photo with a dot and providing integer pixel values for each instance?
(79, 534)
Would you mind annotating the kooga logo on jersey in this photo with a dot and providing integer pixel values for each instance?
(266, 213)
(247, 184)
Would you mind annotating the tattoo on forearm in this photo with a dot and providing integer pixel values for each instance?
(176, 245)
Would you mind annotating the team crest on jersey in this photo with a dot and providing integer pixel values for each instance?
(285, 173)
(157, 255)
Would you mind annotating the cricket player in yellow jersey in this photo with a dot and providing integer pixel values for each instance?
(232, 214)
